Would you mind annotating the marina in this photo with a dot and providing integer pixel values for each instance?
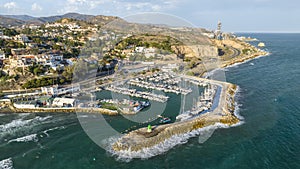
(138, 94)
(161, 87)
(128, 106)
(212, 107)
(203, 104)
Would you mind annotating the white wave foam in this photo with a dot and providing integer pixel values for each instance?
(32, 137)
(23, 114)
(18, 123)
(248, 60)
(237, 105)
(52, 129)
(6, 164)
(145, 153)
(83, 116)
(225, 69)
(2, 115)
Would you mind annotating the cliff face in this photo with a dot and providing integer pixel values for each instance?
(198, 51)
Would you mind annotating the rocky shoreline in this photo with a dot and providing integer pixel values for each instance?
(243, 59)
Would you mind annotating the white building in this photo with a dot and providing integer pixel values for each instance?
(22, 38)
(148, 52)
(24, 106)
(64, 102)
(58, 67)
(139, 49)
(55, 90)
(50, 60)
(56, 57)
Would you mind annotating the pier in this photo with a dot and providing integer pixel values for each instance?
(138, 94)
(166, 82)
(161, 87)
(207, 102)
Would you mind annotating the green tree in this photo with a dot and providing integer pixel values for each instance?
(37, 71)
(68, 73)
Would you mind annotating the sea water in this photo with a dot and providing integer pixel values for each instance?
(269, 100)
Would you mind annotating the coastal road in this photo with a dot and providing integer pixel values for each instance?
(236, 52)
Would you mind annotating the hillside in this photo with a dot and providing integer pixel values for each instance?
(19, 20)
(20, 17)
(9, 22)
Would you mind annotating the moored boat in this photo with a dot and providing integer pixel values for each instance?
(165, 120)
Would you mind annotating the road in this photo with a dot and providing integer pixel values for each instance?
(236, 52)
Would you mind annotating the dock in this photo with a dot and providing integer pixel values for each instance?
(138, 94)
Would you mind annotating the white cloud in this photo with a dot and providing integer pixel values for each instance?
(95, 3)
(118, 7)
(77, 1)
(142, 6)
(68, 9)
(153, 6)
(10, 5)
(156, 7)
(36, 7)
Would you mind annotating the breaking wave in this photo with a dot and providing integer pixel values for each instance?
(225, 69)
(23, 114)
(52, 129)
(19, 127)
(35, 137)
(6, 164)
(248, 60)
(32, 137)
(18, 123)
(237, 106)
(145, 153)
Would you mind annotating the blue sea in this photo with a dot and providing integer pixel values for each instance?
(269, 102)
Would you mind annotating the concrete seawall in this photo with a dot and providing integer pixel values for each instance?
(67, 110)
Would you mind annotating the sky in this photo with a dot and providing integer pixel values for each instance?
(235, 15)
